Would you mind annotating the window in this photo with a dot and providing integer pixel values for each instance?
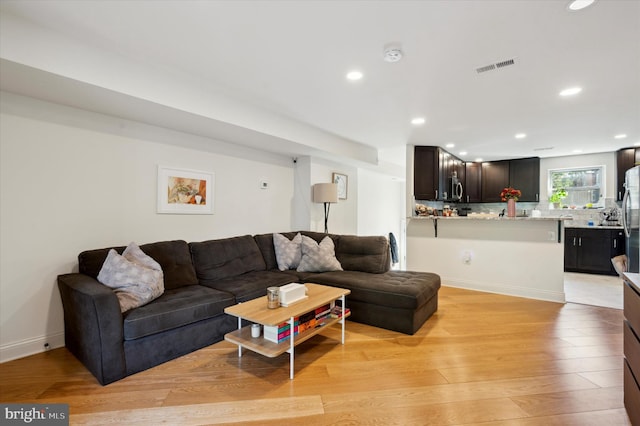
(577, 187)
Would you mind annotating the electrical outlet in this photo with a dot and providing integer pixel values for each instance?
(466, 257)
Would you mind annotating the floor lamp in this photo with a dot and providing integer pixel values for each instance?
(326, 193)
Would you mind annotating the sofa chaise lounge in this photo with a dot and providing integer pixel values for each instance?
(201, 279)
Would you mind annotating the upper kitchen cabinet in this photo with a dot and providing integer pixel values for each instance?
(473, 183)
(433, 169)
(495, 177)
(524, 174)
(625, 159)
(426, 172)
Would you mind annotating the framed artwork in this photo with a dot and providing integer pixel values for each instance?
(182, 191)
(342, 181)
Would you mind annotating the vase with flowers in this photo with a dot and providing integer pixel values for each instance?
(510, 195)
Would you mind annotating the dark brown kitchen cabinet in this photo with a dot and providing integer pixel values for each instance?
(432, 168)
(495, 177)
(425, 172)
(473, 183)
(524, 174)
(625, 159)
(631, 347)
(590, 250)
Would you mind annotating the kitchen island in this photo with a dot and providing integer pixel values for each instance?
(520, 256)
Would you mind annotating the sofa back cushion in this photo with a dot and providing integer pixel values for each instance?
(265, 244)
(173, 256)
(218, 259)
(175, 259)
(365, 254)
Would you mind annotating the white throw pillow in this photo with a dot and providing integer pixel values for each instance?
(288, 252)
(318, 257)
(136, 278)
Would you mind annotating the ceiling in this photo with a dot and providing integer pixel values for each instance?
(285, 62)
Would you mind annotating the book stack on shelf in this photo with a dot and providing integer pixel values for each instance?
(336, 311)
(278, 333)
(307, 321)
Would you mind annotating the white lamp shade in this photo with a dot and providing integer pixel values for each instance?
(325, 193)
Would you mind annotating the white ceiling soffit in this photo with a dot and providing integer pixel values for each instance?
(27, 81)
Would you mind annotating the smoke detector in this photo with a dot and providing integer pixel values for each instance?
(392, 54)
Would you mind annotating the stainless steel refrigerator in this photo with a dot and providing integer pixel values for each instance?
(631, 218)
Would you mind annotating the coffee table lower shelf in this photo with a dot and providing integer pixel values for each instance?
(242, 338)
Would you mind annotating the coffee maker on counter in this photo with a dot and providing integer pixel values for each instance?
(610, 217)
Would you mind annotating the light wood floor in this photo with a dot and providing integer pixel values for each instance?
(482, 359)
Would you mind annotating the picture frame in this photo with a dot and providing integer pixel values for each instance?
(342, 181)
(184, 191)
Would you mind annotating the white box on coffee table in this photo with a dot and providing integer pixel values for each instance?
(292, 293)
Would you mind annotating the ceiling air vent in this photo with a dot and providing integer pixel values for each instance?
(497, 65)
(546, 148)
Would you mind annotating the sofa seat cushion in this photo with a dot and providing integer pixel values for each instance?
(252, 284)
(175, 308)
(394, 289)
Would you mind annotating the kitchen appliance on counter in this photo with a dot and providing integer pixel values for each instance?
(631, 218)
(610, 217)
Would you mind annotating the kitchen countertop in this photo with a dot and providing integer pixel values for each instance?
(487, 217)
(595, 226)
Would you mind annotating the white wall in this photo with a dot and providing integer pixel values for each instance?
(343, 215)
(72, 180)
(514, 257)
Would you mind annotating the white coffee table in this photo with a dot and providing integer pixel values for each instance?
(256, 311)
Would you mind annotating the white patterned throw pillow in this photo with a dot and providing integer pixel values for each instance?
(288, 252)
(136, 278)
(318, 257)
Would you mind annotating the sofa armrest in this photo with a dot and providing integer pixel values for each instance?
(93, 326)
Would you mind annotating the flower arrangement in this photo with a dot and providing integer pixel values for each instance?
(510, 193)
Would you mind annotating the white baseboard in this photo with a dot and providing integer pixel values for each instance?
(30, 346)
(508, 290)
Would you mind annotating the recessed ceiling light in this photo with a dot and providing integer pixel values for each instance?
(450, 145)
(620, 136)
(478, 160)
(636, 144)
(571, 91)
(354, 75)
(417, 121)
(463, 152)
(520, 135)
(579, 4)
(577, 151)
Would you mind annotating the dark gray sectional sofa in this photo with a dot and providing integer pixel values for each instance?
(202, 278)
